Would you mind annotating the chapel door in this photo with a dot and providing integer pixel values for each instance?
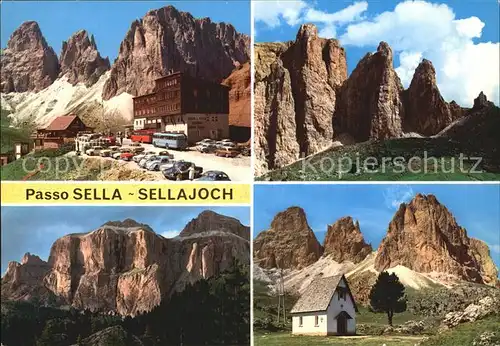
(341, 325)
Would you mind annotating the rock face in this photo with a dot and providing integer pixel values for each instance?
(209, 221)
(80, 60)
(23, 278)
(125, 267)
(304, 100)
(370, 102)
(289, 244)
(240, 96)
(295, 96)
(166, 39)
(28, 63)
(344, 241)
(427, 112)
(425, 237)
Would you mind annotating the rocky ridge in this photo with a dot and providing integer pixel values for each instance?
(125, 267)
(304, 100)
(424, 246)
(80, 60)
(170, 40)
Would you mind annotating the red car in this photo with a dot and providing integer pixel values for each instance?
(127, 156)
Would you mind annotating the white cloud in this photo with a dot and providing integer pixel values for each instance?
(170, 234)
(347, 15)
(494, 248)
(275, 13)
(397, 194)
(422, 29)
(272, 13)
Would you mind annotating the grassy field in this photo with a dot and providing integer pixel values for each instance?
(285, 338)
(392, 160)
(466, 333)
(463, 334)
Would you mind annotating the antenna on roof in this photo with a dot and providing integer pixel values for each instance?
(280, 290)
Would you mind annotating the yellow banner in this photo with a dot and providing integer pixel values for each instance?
(123, 193)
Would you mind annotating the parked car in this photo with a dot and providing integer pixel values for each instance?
(227, 152)
(94, 151)
(227, 140)
(121, 150)
(206, 141)
(126, 156)
(169, 164)
(206, 148)
(155, 163)
(145, 160)
(105, 153)
(139, 157)
(179, 171)
(165, 153)
(136, 150)
(214, 176)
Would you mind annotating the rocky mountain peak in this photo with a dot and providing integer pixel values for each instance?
(370, 104)
(295, 96)
(306, 31)
(27, 36)
(385, 50)
(427, 112)
(80, 60)
(289, 243)
(208, 221)
(481, 101)
(166, 39)
(28, 63)
(344, 241)
(424, 236)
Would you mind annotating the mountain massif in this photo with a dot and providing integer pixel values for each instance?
(125, 267)
(37, 85)
(423, 238)
(170, 40)
(304, 99)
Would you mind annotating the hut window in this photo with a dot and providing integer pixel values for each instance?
(316, 321)
(300, 321)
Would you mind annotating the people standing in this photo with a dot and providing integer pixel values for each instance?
(192, 172)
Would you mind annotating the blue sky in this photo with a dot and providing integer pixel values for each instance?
(475, 207)
(34, 229)
(452, 34)
(109, 21)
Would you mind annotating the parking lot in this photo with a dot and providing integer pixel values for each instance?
(238, 168)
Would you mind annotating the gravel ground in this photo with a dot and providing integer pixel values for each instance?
(238, 168)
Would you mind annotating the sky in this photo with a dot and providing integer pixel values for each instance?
(109, 21)
(460, 37)
(34, 229)
(476, 207)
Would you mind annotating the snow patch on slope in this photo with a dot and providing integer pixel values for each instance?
(61, 98)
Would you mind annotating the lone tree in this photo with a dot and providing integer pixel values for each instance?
(388, 295)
